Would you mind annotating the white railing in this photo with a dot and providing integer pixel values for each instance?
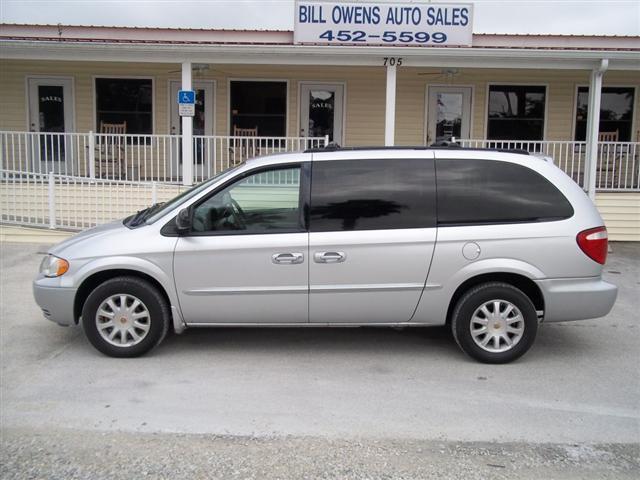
(135, 157)
(618, 167)
(74, 202)
(214, 154)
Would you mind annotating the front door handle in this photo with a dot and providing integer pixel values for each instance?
(287, 258)
(329, 257)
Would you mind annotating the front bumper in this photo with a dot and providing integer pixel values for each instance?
(56, 303)
(576, 298)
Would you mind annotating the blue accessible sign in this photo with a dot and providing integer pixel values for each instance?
(187, 103)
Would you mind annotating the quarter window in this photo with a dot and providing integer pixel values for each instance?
(265, 202)
(488, 191)
(616, 112)
(129, 100)
(372, 195)
(516, 112)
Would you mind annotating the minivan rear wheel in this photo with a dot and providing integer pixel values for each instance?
(494, 323)
(125, 317)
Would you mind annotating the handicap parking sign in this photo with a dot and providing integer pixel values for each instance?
(186, 96)
(186, 103)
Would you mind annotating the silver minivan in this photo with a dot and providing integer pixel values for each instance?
(491, 243)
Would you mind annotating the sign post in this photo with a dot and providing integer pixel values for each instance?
(187, 104)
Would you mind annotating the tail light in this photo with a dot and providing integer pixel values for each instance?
(594, 243)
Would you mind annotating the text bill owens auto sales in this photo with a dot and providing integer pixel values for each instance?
(383, 23)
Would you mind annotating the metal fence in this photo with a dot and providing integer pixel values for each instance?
(136, 157)
(74, 180)
(618, 167)
(74, 202)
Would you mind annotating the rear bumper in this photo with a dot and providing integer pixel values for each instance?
(56, 303)
(576, 298)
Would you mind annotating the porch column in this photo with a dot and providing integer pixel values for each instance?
(187, 131)
(593, 127)
(390, 110)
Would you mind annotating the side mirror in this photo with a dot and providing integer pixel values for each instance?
(183, 221)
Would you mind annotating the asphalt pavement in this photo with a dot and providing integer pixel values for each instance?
(318, 403)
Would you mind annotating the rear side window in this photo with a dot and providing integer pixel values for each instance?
(488, 191)
(372, 194)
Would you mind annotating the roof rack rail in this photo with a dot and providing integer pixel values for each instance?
(332, 147)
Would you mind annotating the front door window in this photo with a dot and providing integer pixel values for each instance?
(321, 112)
(266, 202)
(449, 114)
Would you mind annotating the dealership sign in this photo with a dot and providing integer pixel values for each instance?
(383, 23)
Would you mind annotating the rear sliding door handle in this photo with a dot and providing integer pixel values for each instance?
(329, 257)
(287, 258)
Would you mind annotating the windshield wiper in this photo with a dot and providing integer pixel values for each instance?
(143, 214)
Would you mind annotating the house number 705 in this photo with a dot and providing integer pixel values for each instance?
(392, 61)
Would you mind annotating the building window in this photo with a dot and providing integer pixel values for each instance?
(129, 100)
(616, 112)
(516, 112)
(261, 106)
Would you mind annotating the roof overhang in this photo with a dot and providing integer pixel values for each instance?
(470, 57)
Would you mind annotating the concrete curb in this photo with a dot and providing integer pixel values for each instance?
(14, 234)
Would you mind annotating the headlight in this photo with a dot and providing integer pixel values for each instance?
(53, 266)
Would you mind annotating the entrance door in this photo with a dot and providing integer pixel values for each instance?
(449, 113)
(321, 111)
(51, 114)
(202, 125)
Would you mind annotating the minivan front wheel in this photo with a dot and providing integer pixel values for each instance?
(125, 317)
(494, 323)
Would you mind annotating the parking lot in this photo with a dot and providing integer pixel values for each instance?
(309, 403)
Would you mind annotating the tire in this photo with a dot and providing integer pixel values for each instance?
(138, 327)
(515, 324)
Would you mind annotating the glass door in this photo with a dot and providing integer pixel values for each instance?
(203, 150)
(448, 113)
(51, 115)
(321, 108)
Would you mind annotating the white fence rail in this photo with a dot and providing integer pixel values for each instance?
(74, 202)
(135, 157)
(618, 167)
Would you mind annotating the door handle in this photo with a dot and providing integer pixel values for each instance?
(329, 257)
(287, 258)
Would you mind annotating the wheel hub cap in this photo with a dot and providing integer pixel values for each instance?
(123, 320)
(497, 326)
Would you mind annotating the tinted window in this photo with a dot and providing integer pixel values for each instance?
(616, 112)
(516, 112)
(265, 202)
(259, 105)
(372, 195)
(120, 100)
(486, 191)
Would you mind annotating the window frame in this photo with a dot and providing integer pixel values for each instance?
(517, 84)
(303, 200)
(94, 92)
(251, 79)
(635, 106)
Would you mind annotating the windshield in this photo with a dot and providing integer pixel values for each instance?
(158, 210)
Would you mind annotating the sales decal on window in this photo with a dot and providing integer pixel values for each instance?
(383, 23)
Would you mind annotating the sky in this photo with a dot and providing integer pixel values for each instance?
(585, 17)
